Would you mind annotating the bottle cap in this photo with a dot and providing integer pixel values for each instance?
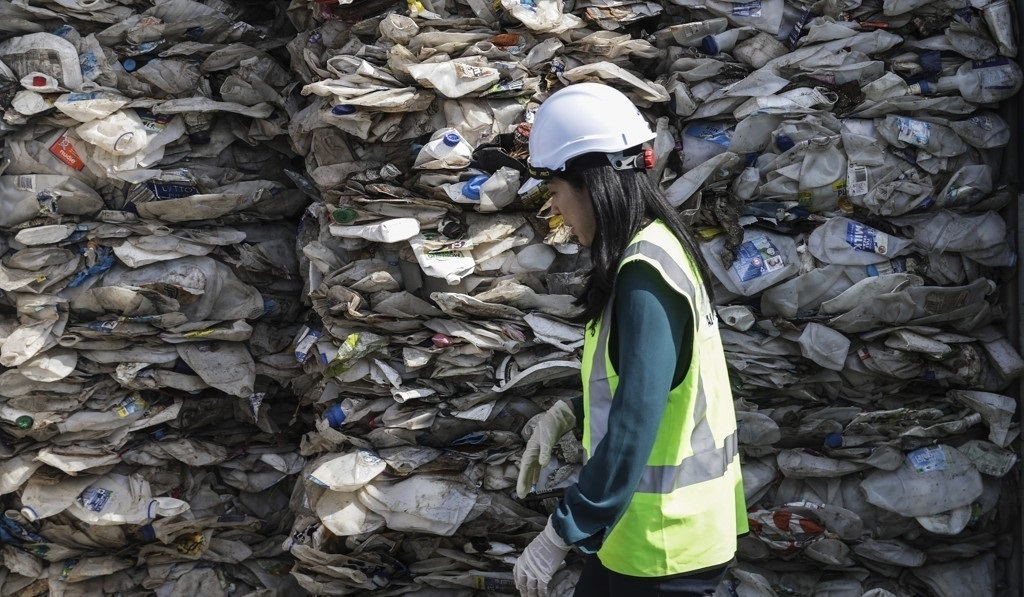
(451, 139)
(452, 229)
(784, 143)
(709, 44)
(342, 109)
(129, 64)
(441, 340)
(335, 416)
(833, 440)
(472, 187)
(343, 215)
(24, 422)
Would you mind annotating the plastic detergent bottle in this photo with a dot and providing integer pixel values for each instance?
(451, 265)
(446, 150)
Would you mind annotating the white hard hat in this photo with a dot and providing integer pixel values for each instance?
(578, 119)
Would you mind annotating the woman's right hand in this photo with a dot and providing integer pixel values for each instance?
(551, 426)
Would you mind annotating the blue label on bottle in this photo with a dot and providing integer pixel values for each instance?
(87, 62)
(990, 63)
(94, 499)
(928, 459)
(864, 238)
(757, 257)
(798, 29)
(716, 132)
(747, 9)
(171, 190)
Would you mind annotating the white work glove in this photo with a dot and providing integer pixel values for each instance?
(551, 426)
(539, 561)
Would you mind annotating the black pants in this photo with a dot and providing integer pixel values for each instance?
(598, 581)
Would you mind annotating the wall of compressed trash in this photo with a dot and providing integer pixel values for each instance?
(275, 321)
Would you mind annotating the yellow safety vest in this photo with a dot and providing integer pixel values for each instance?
(689, 506)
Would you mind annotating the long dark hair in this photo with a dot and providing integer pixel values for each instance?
(623, 200)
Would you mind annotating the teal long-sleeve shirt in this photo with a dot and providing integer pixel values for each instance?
(650, 348)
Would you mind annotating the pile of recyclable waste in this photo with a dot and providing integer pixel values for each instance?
(149, 292)
(274, 318)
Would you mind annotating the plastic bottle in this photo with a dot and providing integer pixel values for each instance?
(847, 242)
(467, 191)
(932, 480)
(934, 138)
(702, 140)
(350, 120)
(691, 34)
(385, 231)
(763, 259)
(758, 50)
(967, 186)
(445, 150)
(449, 265)
(982, 81)
(984, 130)
(765, 15)
(724, 41)
(999, 17)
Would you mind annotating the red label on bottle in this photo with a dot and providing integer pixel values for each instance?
(65, 152)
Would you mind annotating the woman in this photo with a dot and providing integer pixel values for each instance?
(659, 500)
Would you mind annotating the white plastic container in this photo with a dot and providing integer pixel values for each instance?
(999, 17)
(449, 265)
(934, 138)
(702, 140)
(724, 41)
(446, 150)
(385, 231)
(763, 259)
(765, 15)
(932, 480)
(980, 82)
(848, 242)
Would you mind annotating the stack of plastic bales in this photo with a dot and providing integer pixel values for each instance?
(843, 163)
(274, 319)
(148, 295)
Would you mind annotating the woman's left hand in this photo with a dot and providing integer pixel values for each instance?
(540, 560)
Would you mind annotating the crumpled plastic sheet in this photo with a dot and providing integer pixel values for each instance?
(273, 319)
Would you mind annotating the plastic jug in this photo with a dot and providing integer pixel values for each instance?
(981, 82)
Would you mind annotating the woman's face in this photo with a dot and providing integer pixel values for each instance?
(575, 208)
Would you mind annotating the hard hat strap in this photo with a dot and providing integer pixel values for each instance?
(631, 159)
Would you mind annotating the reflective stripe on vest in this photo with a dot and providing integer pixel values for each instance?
(708, 461)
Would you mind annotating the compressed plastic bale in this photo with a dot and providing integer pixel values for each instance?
(821, 47)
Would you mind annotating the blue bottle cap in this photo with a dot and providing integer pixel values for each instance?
(129, 64)
(335, 416)
(784, 143)
(342, 109)
(472, 187)
(709, 44)
(833, 440)
(451, 139)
